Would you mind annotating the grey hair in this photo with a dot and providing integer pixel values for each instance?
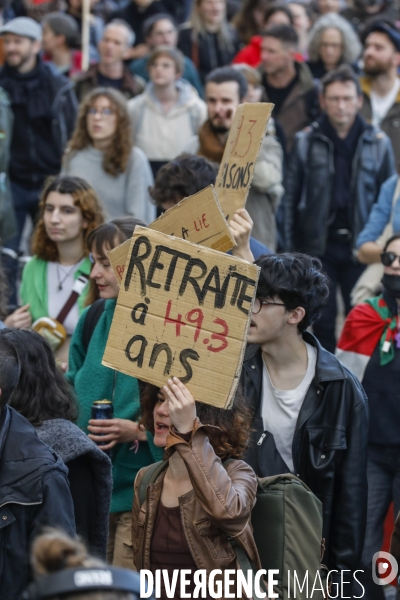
(130, 33)
(351, 44)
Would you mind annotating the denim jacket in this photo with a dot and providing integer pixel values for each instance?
(380, 214)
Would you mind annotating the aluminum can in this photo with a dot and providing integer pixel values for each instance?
(102, 409)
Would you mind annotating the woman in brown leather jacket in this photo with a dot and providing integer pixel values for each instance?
(197, 502)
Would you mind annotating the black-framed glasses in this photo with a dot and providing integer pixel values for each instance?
(388, 258)
(259, 303)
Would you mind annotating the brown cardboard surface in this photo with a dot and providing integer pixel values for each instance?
(237, 166)
(118, 256)
(183, 310)
(198, 219)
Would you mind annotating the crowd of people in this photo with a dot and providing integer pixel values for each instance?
(86, 155)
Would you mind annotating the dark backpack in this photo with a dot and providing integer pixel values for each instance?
(287, 529)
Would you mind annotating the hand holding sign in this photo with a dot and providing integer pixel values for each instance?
(181, 404)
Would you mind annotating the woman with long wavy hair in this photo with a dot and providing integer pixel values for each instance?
(208, 39)
(69, 211)
(249, 20)
(100, 151)
(45, 399)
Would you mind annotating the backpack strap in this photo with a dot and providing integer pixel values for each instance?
(246, 565)
(244, 562)
(92, 318)
(151, 476)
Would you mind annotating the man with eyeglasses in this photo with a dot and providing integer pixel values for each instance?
(310, 412)
(335, 173)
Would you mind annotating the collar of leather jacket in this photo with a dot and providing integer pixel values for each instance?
(327, 368)
(369, 134)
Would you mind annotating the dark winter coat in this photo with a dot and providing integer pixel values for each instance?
(34, 492)
(329, 449)
(309, 184)
(44, 106)
(89, 477)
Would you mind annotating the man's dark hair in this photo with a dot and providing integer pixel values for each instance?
(297, 280)
(10, 369)
(285, 33)
(277, 8)
(148, 25)
(224, 74)
(342, 74)
(182, 177)
(42, 391)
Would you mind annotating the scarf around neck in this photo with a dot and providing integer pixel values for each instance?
(210, 146)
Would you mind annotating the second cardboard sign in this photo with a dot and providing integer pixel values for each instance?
(198, 219)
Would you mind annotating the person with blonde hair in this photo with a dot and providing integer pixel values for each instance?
(208, 39)
(100, 150)
(69, 212)
(332, 42)
(60, 564)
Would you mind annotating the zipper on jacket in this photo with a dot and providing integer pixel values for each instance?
(21, 503)
(260, 441)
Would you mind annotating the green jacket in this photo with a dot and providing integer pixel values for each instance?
(93, 381)
(34, 286)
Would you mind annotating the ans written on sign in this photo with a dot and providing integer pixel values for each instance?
(182, 311)
(198, 219)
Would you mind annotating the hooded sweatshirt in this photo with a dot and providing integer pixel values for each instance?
(160, 135)
(89, 477)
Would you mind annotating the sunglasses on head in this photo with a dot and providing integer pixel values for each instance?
(388, 258)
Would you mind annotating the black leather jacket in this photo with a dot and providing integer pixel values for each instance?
(307, 200)
(329, 449)
(34, 492)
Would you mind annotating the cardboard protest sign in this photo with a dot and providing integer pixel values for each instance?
(118, 257)
(198, 219)
(237, 167)
(183, 310)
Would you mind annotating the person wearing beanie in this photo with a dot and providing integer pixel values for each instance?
(61, 42)
(381, 83)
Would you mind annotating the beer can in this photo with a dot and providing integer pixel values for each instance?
(102, 409)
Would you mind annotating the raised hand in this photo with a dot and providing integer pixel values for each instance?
(181, 405)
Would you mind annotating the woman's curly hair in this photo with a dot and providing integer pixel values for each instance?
(116, 157)
(351, 44)
(84, 197)
(231, 429)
